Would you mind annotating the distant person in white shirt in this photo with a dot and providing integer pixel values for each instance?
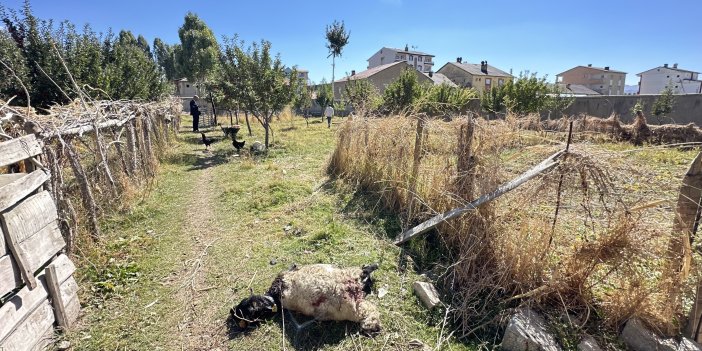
(329, 113)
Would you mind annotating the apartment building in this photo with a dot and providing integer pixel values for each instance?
(481, 77)
(681, 81)
(421, 61)
(603, 80)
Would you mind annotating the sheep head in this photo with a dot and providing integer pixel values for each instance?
(253, 310)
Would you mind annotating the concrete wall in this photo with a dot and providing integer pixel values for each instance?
(687, 108)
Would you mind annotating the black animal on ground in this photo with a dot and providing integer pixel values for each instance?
(238, 145)
(207, 141)
(322, 291)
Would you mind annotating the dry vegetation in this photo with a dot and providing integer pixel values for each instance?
(100, 155)
(589, 238)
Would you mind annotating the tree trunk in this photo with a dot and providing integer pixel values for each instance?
(248, 125)
(266, 126)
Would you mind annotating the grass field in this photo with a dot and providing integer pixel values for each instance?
(214, 226)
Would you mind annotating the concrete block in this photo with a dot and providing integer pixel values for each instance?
(427, 293)
(527, 330)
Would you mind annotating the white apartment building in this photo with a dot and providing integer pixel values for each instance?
(421, 61)
(680, 81)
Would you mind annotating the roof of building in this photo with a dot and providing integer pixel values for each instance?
(670, 68)
(371, 71)
(576, 89)
(593, 68)
(410, 52)
(474, 69)
(439, 79)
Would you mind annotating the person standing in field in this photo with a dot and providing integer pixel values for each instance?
(329, 113)
(195, 112)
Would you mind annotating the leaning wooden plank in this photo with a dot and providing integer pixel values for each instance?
(13, 192)
(43, 245)
(21, 257)
(9, 178)
(62, 295)
(30, 216)
(57, 301)
(31, 331)
(429, 224)
(14, 311)
(69, 293)
(10, 277)
(15, 150)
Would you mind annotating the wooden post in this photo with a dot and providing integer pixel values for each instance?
(86, 192)
(685, 225)
(418, 140)
(466, 162)
(103, 159)
(132, 148)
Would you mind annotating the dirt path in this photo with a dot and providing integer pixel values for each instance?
(198, 328)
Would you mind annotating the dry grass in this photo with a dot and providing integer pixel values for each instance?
(604, 260)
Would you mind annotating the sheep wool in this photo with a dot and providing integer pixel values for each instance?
(329, 293)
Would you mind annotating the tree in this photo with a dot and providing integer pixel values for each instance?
(324, 94)
(362, 95)
(445, 99)
(302, 100)
(199, 52)
(526, 94)
(663, 104)
(166, 57)
(257, 80)
(401, 94)
(337, 38)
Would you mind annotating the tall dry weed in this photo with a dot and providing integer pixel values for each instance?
(598, 259)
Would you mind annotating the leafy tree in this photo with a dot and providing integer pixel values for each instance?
(144, 45)
(324, 94)
(362, 95)
(445, 99)
(527, 94)
(337, 38)
(199, 49)
(302, 100)
(11, 56)
(401, 94)
(664, 103)
(166, 57)
(99, 63)
(257, 80)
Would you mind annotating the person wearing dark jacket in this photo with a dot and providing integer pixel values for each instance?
(195, 112)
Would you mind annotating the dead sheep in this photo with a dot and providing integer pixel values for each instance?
(322, 291)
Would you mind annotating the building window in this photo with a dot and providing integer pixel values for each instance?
(667, 76)
(411, 57)
(397, 57)
(500, 82)
(381, 60)
(603, 76)
(678, 76)
(488, 83)
(419, 68)
(600, 87)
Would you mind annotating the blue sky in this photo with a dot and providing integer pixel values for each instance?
(546, 37)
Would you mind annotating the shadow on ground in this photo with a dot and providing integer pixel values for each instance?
(316, 336)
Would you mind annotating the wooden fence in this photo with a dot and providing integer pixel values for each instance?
(37, 290)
